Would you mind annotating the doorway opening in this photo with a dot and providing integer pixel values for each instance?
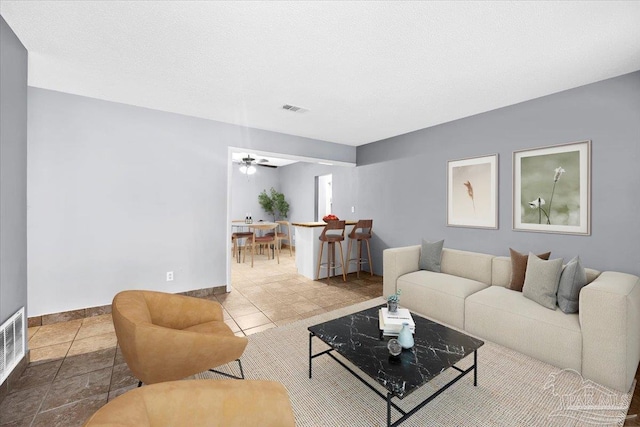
(324, 196)
(242, 193)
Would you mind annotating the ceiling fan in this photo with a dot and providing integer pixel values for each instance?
(248, 164)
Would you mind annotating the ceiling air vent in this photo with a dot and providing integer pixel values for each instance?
(294, 108)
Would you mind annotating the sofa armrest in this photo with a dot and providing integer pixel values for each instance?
(610, 322)
(395, 263)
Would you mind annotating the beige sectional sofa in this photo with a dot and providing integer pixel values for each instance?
(602, 341)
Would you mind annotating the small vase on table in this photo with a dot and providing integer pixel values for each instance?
(405, 337)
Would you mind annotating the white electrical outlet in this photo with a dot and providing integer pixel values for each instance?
(169, 276)
(353, 209)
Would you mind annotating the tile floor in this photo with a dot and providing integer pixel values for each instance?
(76, 366)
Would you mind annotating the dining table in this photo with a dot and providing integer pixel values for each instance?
(256, 225)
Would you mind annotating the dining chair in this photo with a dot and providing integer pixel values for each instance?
(239, 237)
(280, 236)
(266, 239)
(361, 232)
(239, 240)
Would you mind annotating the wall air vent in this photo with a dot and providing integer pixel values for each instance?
(294, 108)
(12, 343)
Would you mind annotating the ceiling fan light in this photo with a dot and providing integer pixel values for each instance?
(243, 169)
(251, 170)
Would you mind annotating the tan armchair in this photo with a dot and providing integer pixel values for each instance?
(167, 337)
(211, 403)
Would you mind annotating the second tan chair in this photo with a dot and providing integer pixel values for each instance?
(190, 403)
(165, 337)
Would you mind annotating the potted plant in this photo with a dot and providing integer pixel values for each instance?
(392, 301)
(265, 202)
(274, 204)
(279, 203)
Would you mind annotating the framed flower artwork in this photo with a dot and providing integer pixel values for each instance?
(472, 192)
(552, 189)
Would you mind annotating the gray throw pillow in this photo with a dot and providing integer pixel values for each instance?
(430, 255)
(541, 280)
(572, 280)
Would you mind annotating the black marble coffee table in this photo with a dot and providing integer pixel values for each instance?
(356, 337)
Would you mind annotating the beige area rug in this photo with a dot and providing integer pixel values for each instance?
(513, 389)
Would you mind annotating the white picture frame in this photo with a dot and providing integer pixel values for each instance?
(552, 189)
(472, 192)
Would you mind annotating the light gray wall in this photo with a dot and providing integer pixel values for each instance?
(402, 180)
(119, 195)
(13, 173)
(297, 183)
(245, 190)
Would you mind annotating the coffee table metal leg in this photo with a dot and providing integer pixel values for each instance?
(389, 409)
(310, 358)
(475, 368)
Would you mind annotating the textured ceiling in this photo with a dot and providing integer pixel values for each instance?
(365, 71)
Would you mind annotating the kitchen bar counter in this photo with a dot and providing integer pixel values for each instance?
(319, 224)
(308, 247)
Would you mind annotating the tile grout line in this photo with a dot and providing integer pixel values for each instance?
(46, 395)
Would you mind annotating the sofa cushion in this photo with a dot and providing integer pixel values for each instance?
(437, 295)
(507, 318)
(470, 265)
(501, 271)
(519, 268)
(572, 280)
(431, 255)
(541, 281)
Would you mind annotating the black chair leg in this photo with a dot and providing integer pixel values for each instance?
(241, 377)
(241, 371)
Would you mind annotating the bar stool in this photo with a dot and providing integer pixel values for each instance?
(366, 227)
(331, 239)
